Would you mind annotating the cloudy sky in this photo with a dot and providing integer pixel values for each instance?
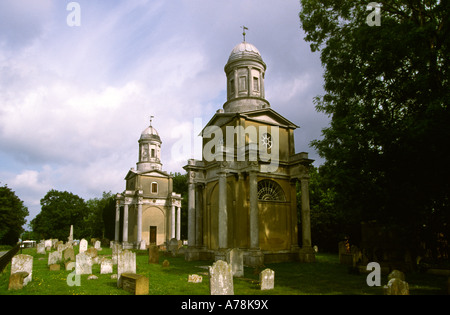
(75, 99)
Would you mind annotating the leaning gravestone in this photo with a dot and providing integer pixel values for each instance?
(221, 279)
(267, 279)
(126, 263)
(83, 265)
(235, 258)
(22, 263)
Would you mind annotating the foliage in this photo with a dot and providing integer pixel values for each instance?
(387, 90)
(101, 216)
(60, 210)
(12, 216)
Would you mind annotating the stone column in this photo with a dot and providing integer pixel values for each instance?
(125, 223)
(172, 225)
(306, 252)
(139, 223)
(178, 223)
(191, 215)
(254, 215)
(198, 215)
(117, 227)
(223, 214)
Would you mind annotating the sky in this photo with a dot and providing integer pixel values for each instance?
(74, 99)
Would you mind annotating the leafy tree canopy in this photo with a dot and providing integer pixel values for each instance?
(12, 216)
(387, 91)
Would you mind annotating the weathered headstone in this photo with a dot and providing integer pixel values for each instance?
(48, 243)
(126, 263)
(16, 280)
(173, 246)
(83, 264)
(22, 263)
(195, 278)
(153, 254)
(54, 257)
(69, 254)
(396, 274)
(116, 250)
(91, 251)
(235, 258)
(55, 267)
(396, 286)
(143, 245)
(83, 246)
(41, 248)
(221, 279)
(106, 266)
(267, 279)
(98, 245)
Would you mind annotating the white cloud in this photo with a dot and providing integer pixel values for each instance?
(74, 100)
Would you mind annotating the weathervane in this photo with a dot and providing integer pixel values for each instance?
(244, 28)
(151, 119)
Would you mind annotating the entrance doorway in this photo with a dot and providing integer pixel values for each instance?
(152, 240)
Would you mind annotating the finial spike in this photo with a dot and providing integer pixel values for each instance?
(244, 28)
(151, 119)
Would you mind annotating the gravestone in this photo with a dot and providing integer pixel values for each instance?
(41, 248)
(22, 263)
(195, 278)
(83, 246)
(142, 245)
(116, 250)
(153, 254)
(267, 279)
(173, 246)
(106, 266)
(396, 286)
(396, 274)
(91, 251)
(54, 257)
(83, 265)
(126, 263)
(69, 254)
(221, 279)
(48, 243)
(16, 280)
(98, 245)
(235, 258)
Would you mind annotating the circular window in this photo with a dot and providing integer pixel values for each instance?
(266, 140)
(268, 190)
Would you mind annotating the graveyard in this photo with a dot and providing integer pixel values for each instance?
(173, 275)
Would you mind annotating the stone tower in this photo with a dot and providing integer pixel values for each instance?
(242, 194)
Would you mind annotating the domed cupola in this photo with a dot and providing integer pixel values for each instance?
(149, 150)
(245, 72)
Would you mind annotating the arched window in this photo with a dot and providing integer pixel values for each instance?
(268, 190)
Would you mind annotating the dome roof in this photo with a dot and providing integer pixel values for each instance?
(150, 133)
(243, 50)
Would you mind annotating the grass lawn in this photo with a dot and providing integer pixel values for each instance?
(326, 276)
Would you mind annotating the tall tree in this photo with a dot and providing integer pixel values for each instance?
(12, 216)
(60, 210)
(387, 90)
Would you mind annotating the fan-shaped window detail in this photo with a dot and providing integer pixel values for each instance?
(268, 190)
